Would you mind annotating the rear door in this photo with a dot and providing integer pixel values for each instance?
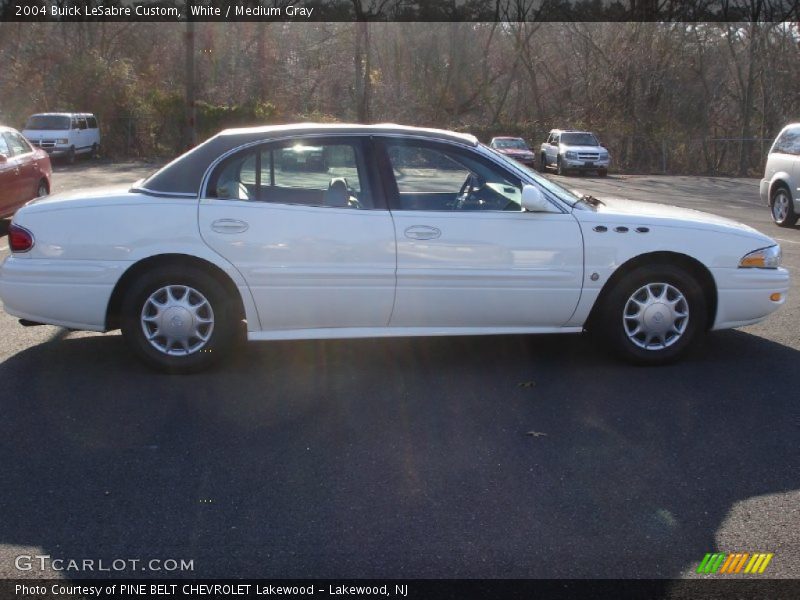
(307, 227)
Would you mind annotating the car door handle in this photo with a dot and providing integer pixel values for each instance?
(229, 226)
(422, 232)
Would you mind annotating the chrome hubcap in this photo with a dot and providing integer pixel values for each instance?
(177, 320)
(780, 207)
(655, 316)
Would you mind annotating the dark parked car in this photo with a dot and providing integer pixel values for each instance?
(24, 171)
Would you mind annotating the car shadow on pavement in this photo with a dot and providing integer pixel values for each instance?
(446, 457)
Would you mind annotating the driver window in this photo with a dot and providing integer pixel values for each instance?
(437, 178)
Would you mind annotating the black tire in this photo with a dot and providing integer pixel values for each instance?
(221, 336)
(95, 151)
(782, 208)
(618, 314)
(543, 163)
(602, 172)
(42, 189)
(559, 167)
(70, 156)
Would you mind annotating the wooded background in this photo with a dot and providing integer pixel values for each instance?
(703, 98)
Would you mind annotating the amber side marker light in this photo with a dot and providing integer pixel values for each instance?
(776, 297)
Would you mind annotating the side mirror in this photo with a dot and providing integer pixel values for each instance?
(534, 201)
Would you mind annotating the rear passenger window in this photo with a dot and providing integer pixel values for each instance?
(788, 142)
(91, 122)
(311, 173)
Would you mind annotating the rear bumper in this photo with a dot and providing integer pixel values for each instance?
(743, 295)
(69, 293)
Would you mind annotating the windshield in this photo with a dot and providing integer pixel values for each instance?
(47, 122)
(512, 144)
(556, 190)
(579, 139)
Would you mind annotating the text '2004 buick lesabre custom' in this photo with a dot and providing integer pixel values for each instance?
(342, 231)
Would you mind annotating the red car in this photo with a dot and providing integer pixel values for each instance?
(515, 148)
(25, 171)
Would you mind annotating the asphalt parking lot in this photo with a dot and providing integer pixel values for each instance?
(469, 457)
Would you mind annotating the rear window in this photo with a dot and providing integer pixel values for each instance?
(788, 142)
(48, 122)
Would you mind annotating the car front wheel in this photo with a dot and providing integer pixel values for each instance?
(782, 208)
(178, 320)
(654, 314)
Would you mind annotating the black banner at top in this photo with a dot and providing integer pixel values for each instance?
(401, 10)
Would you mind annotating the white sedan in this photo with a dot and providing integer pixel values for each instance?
(344, 231)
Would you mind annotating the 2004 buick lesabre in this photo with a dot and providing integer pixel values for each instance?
(341, 231)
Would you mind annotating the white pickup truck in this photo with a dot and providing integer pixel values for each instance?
(568, 150)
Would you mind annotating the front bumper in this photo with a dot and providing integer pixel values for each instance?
(763, 190)
(528, 161)
(54, 150)
(743, 295)
(585, 165)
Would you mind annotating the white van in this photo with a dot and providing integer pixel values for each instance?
(64, 134)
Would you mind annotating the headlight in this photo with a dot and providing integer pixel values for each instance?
(571, 154)
(62, 141)
(604, 155)
(765, 258)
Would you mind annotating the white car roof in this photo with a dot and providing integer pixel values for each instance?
(183, 175)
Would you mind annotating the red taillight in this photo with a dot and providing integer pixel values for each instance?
(19, 239)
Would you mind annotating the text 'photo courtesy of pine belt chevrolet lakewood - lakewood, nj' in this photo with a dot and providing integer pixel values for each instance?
(343, 231)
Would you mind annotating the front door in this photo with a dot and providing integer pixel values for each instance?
(467, 254)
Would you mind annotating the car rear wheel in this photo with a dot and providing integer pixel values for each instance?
(95, 151)
(782, 208)
(178, 320)
(654, 314)
(71, 155)
(543, 163)
(42, 189)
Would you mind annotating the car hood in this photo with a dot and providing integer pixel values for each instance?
(45, 134)
(514, 151)
(644, 213)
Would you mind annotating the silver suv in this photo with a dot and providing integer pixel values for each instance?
(569, 150)
(780, 188)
